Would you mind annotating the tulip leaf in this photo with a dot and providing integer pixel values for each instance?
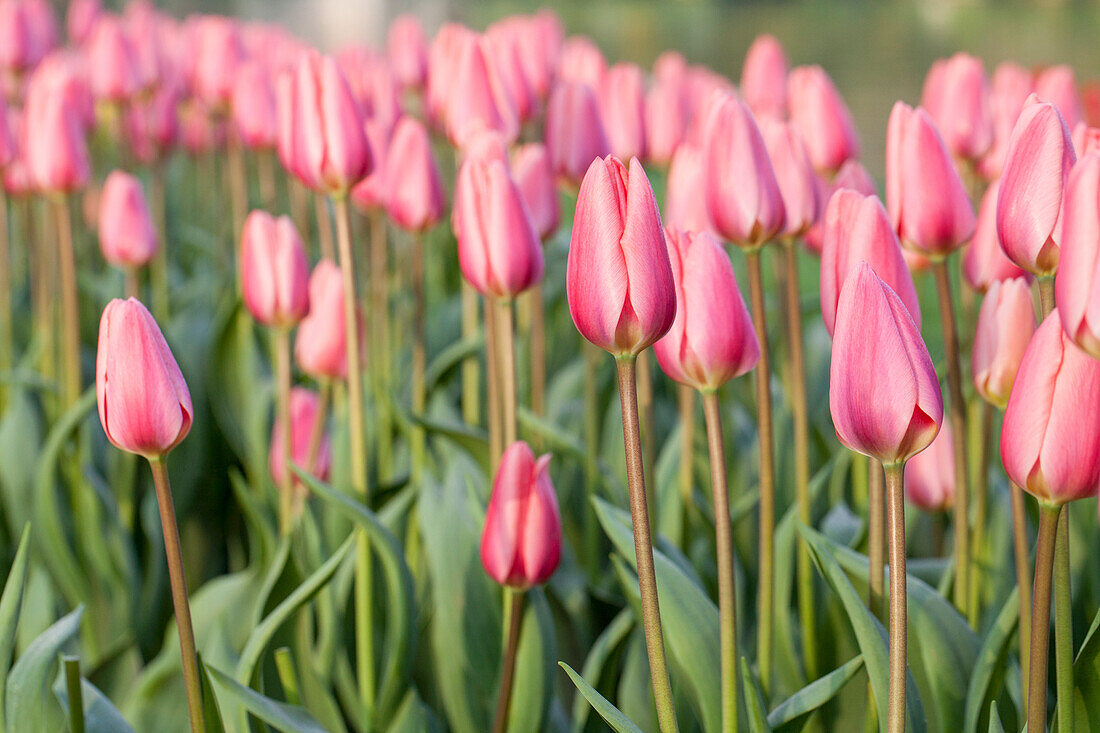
(11, 602)
(991, 663)
(754, 699)
(598, 655)
(279, 715)
(20, 436)
(100, 714)
(814, 695)
(474, 441)
(995, 725)
(614, 717)
(413, 716)
(28, 704)
(211, 711)
(449, 358)
(1086, 679)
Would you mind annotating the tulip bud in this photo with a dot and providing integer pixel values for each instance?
(622, 108)
(820, 114)
(535, 179)
(503, 45)
(81, 18)
(18, 51)
(666, 119)
(1029, 205)
(581, 60)
(857, 231)
(764, 78)
(618, 277)
(498, 249)
(218, 53)
(1077, 284)
(54, 149)
(407, 50)
(478, 98)
(415, 199)
(254, 110)
(1010, 89)
(127, 236)
(321, 346)
(112, 62)
(798, 184)
(144, 404)
(1058, 85)
(1046, 446)
(443, 54)
(274, 270)
(521, 542)
(370, 193)
(305, 407)
(1006, 322)
(685, 209)
(575, 134)
(883, 392)
(985, 262)
(956, 96)
(930, 475)
(712, 339)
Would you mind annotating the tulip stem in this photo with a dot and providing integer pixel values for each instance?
(76, 693)
(513, 612)
(1046, 295)
(1023, 577)
(265, 178)
(317, 433)
(471, 376)
(592, 358)
(981, 503)
(130, 278)
(723, 536)
(538, 351)
(958, 428)
(380, 353)
(895, 706)
(238, 186)
(282, 406)
(324, 225)
(645, 410)
(766, 594)
(70, 307)
(298, 197)
(686, 396)
(507, 360)
(1040, 618)
(643, 545)
(7, 340)
(159, 269)
(419, 357)
(178, 582)
(1063, 625)
(876, 536)
(492, 382)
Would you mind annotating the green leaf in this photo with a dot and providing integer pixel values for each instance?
(283, 717)
(598, 654)
(614, 717)
(28, 704)
(10, 604)
(991, 661)
(449, 358)
(413, 716)
(754, 700)
(474, 441)
(815, 694)
(995, 725)
(100, 714)
(1086, 678)
(211, 713)
(20, 438)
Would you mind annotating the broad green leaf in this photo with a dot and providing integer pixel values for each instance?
(995, 719)
(1086, 678)
(28, 703)
(100, 714)
(474, 441)
(450, 357)
(10, 604)
(413, 716)
(991, 662)
(754, 700)
(279, 715)
(598, 655)
(614, 717)
(20, 437)
(211, 712)
(814, 695)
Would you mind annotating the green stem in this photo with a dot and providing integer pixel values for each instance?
(646, 424)
(895, 706)
(1021, 552)
(643, 546)
(380, 329)
(538, 351)
(282, 406)
(419, 356)
(1046, 295)
(492, 382)
(7, 340)
(471, 373)
(507, 361)
(159, 270)
(284, 665)
(513, 607)
(1040, 618)
(876, 536)
(70, 307)
(76, 693)
(981, 503)
(324, 225)
(592, 358)
(686, 397)
(1063, 625)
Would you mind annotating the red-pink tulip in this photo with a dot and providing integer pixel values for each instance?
(112, 61)
(712, 339)
(1006, 322)
(498, 249)
(320, 347)
(764, 78)
(274, 270)
(575, 134)
(127, 236)
(618, 278)
(930, 475)
(54, 149)
(535, 179)
(883, 392)
(521, 542)
(254, 110)
(415, 199)
(685, 209)
(478, 97)
(956, 96)
(370, 193)
(1048, 446)
(820, 114)
(504, 48)
(144, 404)
(666, 119)
(581, 60)
(304, 408)
(985, 262)
(1029, 205)
(407, 50)
(218, 52)
(743, 197)
(798, 184)
(1058, 85)
(622, 108)
(80, 18)
(1011, 86)
(1085, 138)
(18, 50)
(851, 175)
(925, 196)
(1077, 284)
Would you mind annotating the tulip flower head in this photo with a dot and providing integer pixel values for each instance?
(304, 411)
(1077, 284)
(521, 542)
(127, 236)
(535, 179)
(407, 50)
(956, 96)
(478, 98)
(112, 61)
(415, 197)
(1012, 84)
(798, 184)
(320, 347)
(1058, 84)
(254, 107)
(666, 118)
(985, 261)
(1006, 322)
(575, 134)
(685, 209)
(820, 114)
(274, 270)
(851, 175)
(764, 78)
(622, 107)
(930, 475)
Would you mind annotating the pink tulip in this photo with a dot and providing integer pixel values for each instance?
(883, 392)
(152, 125)
(622, 108)
(415, 199)
(985, 262)
(374, 87)
(712, 339)
(685, 209)
(666, 118)
(504, 47)
(618, 278)
(851, 175)
(1085, 138)
(857, 231)
(112, 61)
(1006, 322)
(254, 110)
(1047, 447)
(1029, 206)
(498, 249)
(144, 404)
(742, 194)
(925, 196)
(407, 50)
(320, 347)
(18, 50)
(820, 114)
(370, 193)
(54, 149)
(487, 145)
(443, 55)
(127, 236)
(575, 134)
(1011, 86)
(1077, 284)
(670, 67)
(956, 96)
(478, 97)
(81, 18)
(581, 60)
(764, 78)
(540, 50)
(535, 179)
(218, 53)
(1058, 85)
(304, 408)
(521, 542)
(798, 184)
(8, 148)
(44, 28)
(930, 475)
(274, 270)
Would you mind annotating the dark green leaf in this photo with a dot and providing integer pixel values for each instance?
(991, 661)
(100, 714)
(283, 717)
(814, 695)
(28, 704)
(10, 604)
(754, 700)
(614, 717)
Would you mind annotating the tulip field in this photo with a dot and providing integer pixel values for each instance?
(480, 382)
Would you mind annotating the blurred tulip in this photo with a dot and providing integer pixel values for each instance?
(535, 179)
(218, 53)
(581, 60)
(1058, 85)
(487, 145)
(1029, 205)
(930, 475)
(712, 339)
(1046, 446)
(883, 392)
(798, 184)
(320, 347)
(851, 175)
(1077, 284)
(666, 117)
(407, 51)
(112, 62)
(503, 44)
(254, 110)
(416, 198)
(618, 277)
(8, 147)
(152, 124)
(1011, 86)
(305, 407)
(1006, 322)
(274, 270)
(1085, 138)
(622, 108)
(956, 96)
(144, 404)
(370, 193)
(685, 208)
(575, 134)
(820, 114)
(478, 98)
(54, 149)
(521, 542)
(443, 55)
(764, 78)
(18, 50)
(80, 18)
(127, 235)
(985, 262)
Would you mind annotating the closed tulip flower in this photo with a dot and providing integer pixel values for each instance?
(925, 196)
(820, 114)
(851, 175)
(622, 107)
(883, 392)
(1006, 322)
(666, 119)
(370, 193)
(581, 60)
(274, 270)
(712, 339)
(1058, 85)
(478, 96)
(127, 236)
(18, 50)
(1012, 84)
(1029, 205)
(254, 107)
(742, 194)
(407, 51)
(535, 179)
(112, 62)
(930, 475)
(575, 134)
(795, 175)
(521, 542)
(218, 53)
(415, 199)
(144, 404)
(152, 124)
(1077, 284)
(1085, 139)
(80, 19)
(618, 278)
(320, 347)
(498, 249)
(956, 96)
(54, 148)
(504, 48)
(685, 209)
(8, 149)
(985, 262)
(304, 410)
(764, 78)
(1046, 446)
